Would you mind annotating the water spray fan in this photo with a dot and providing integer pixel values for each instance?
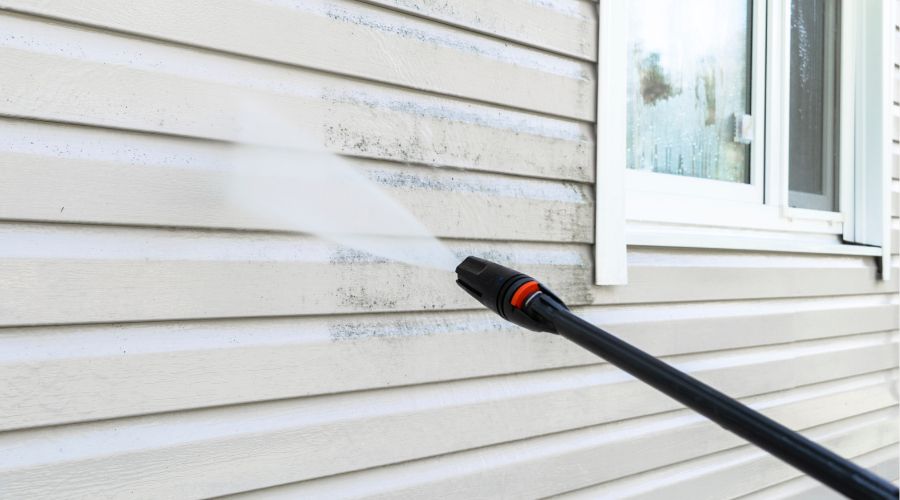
(524, 301)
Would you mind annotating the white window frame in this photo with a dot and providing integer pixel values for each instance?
(654, 209)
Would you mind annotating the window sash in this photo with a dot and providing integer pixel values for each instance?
(752, 192)
(827, 199)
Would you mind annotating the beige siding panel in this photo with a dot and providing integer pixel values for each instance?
(554, 464)
(896, 48)
(895, 129)
(895, 157)
(139, 179)
(60, 73)
(895, 163)
(895, 203)
(895, 209)
(167, 274)
(55, 373)
(882, 462)
(81, 274)
(356, 39)
(220, 451)
(895, 235)
(564, 26)
(668, 275)
(738, 471)
(896, 54)
(895, 173)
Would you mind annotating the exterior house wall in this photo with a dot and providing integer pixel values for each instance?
(156, 344)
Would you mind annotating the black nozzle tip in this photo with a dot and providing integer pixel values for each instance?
(467, 273)
(487, 281)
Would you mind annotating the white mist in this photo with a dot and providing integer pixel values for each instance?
(294, 185)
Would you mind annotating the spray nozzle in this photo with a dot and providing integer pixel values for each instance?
(505, 291)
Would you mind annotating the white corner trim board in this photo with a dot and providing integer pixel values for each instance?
(610, 266)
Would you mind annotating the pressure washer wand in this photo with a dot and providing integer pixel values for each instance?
(522, 300)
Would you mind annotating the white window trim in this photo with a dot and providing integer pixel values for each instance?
(651, 209)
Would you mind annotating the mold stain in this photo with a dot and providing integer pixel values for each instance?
(354, 330)
(557, 192)
(359, 298)
(461, 113)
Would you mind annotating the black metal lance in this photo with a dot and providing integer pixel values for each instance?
(522, 300)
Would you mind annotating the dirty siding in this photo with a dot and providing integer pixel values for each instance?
(156, 344)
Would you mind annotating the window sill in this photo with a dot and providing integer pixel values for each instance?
(683, 236)
(677, 209)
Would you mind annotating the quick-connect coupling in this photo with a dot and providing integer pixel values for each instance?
(505, 291)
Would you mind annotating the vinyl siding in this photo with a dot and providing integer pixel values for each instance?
(895, 171)
(156, 343)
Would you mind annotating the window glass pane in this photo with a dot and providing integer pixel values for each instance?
(688, 75)
(813, 103)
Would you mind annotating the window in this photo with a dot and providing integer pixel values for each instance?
(688, 81)
(742, 124)
(813, 137)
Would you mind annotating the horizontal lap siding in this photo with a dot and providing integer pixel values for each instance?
(883, 462)
(375, 43)
(119, 178)
(157, 340)
(547, 465)
(744, 469)
(154, 87)
(85, 274)
(304, 439)
(895, 151)
(567, 27)
(138, 366)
